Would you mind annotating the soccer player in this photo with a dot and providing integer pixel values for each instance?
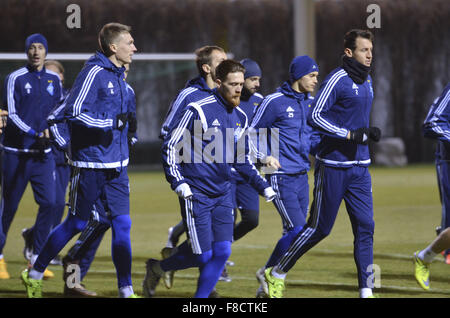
(436, 126)
(31, 92)
(207, 59)
(96, 123)
(213, 128)
(286, 111)
(62, 176)
(424, 258)
(341, 111)
(82, 253)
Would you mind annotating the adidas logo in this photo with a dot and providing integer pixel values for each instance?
(354, 86)
(28, 87)
(215, 122)
(110, 85)
(289, 109)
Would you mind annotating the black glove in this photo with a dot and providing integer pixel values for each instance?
(360, 135)
(132, 123)
(42, 143)
(121, 121)
(375, 133)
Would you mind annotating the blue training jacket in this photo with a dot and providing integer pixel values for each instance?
(214, 135)
(195, 90)
(87, 120)
(286, 110)
(437, 124)
(30, 96)
(341, 106)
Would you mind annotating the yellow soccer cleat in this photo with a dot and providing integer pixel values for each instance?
(48, 274)
(3, 271)
(421, 272)
(274, 285)
(134, 296)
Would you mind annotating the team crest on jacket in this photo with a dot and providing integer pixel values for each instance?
(28, 88)
(111, 86)
(290, 111)
(50, 88)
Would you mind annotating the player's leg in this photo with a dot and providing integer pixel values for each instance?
(84, 192)
(116, 194)
(43, 185)
(423, 258)
(82, 254)
(247, 201)
(222, 223)
(15, 170)
(443, 170)
(292, 205)
(197, 218)
(329, 188)
(359, 204)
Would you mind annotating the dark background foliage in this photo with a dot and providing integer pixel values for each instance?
(411, 64)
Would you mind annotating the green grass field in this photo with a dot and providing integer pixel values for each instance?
(407, 210)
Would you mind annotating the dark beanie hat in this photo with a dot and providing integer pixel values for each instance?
(251, 68)
(300, 66)
(36, 38)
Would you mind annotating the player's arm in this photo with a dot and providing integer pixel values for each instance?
(243, 165)
(177, 107)
(13, 98)
(319, 117)
(171, 152)
(82, 103)
(260, 126)
(436, 124)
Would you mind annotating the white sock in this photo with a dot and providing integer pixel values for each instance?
(33, 258)
(278, 273)
(125, 292)
(34, 274)
(427, 255)
(365, 292)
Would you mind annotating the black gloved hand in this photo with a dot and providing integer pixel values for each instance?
(42, 143)
(132, 123)
(375, 133)
(360, 135)
(121, 121)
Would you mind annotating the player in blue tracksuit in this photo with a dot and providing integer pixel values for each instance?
(95, 123)
(341, 111)
(285, 114)
(62, 176)
(30, 94)
(437, 126)
(246, 197)
(211, 134)
(207, 59)
(83, 251)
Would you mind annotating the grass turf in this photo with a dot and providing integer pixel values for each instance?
(407, 210)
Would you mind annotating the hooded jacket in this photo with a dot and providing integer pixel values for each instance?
(437, 124)
(195, 90)
(88, 118)
(214, 141)
(286, 111)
